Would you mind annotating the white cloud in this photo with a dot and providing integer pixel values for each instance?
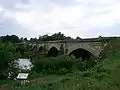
(1, 14)
(72, 17)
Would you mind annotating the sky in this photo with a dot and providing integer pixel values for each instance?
(83, 18)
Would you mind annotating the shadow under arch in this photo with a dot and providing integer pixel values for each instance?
(53, 52)
(34, 48)
(41, 49)
(81, 53)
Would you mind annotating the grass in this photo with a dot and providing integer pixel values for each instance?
(60, 65)
(103, 76)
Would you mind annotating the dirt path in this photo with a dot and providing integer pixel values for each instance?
(43, 79)
(4, 88)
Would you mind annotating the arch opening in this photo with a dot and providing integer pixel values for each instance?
(53, 52)
(35, 49)
(41, 50)
(81, 53)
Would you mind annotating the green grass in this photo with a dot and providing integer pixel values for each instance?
(104, 76)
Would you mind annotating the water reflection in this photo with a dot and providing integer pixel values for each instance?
(25, 64)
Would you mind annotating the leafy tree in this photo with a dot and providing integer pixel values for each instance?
(68, 38)
(25, 39)
(21, 39)
(78, 38)
(55, 36)
(58, 36)
(99, 36)
(12, 38)
(7, 57)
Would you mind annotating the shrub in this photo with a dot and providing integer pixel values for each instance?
(60, 65)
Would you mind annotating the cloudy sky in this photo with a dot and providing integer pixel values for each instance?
(83, 18)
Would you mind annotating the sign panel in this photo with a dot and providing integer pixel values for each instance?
(22, 76)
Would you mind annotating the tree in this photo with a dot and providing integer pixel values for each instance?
(99, 36)
(40, 38)
(4, 63)
(45, 37)
(55, 36)
(21, 39)
(78, 38)
(7, 58)
(58, 36)
(12, 38)
(68, 38)
(25, 39)
(33, 40)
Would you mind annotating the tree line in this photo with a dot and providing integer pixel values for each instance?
(53, 37)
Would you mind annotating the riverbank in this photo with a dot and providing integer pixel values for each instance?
(104, 76)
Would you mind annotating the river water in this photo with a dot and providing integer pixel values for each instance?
(24, 63)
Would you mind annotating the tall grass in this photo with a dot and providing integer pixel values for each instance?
(60, 65)
(104, 76)
(78, 75)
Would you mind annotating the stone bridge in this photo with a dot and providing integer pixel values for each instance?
(68, 47)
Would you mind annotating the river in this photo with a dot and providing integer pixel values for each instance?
(24, 63)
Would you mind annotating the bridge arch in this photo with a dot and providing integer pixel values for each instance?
(34, 48)
(83, 48)
(53, 51)
(41, 49)
(54, 45)
(81, 53)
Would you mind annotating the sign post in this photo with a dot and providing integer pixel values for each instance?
(22, 77)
